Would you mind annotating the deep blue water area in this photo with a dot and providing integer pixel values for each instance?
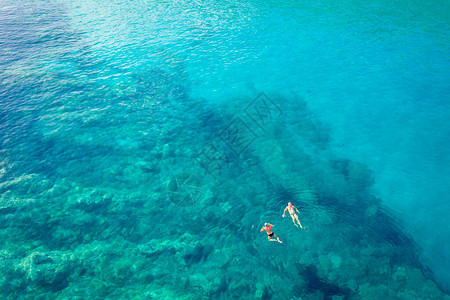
(143, 145)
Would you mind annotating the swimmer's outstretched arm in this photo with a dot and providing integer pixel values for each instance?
(284, 211)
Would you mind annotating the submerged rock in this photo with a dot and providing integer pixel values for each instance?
(50, 270)
(198, 254)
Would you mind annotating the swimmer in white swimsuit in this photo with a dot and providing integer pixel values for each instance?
(294, 216)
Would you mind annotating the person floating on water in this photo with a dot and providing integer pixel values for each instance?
(268, 228)
(294, 216)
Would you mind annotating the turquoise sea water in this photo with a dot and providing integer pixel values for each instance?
(143, 144)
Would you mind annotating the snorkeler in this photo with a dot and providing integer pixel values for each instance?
(294, 216)
(268, 228)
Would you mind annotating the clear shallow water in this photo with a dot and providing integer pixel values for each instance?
(104, 106)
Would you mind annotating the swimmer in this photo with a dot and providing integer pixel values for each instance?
(294, 216)
(268, 228)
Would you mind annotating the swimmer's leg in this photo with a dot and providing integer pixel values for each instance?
(296, 217)
(293, 220)
(278, 239)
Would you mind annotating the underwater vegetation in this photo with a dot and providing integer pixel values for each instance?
(96, 219)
